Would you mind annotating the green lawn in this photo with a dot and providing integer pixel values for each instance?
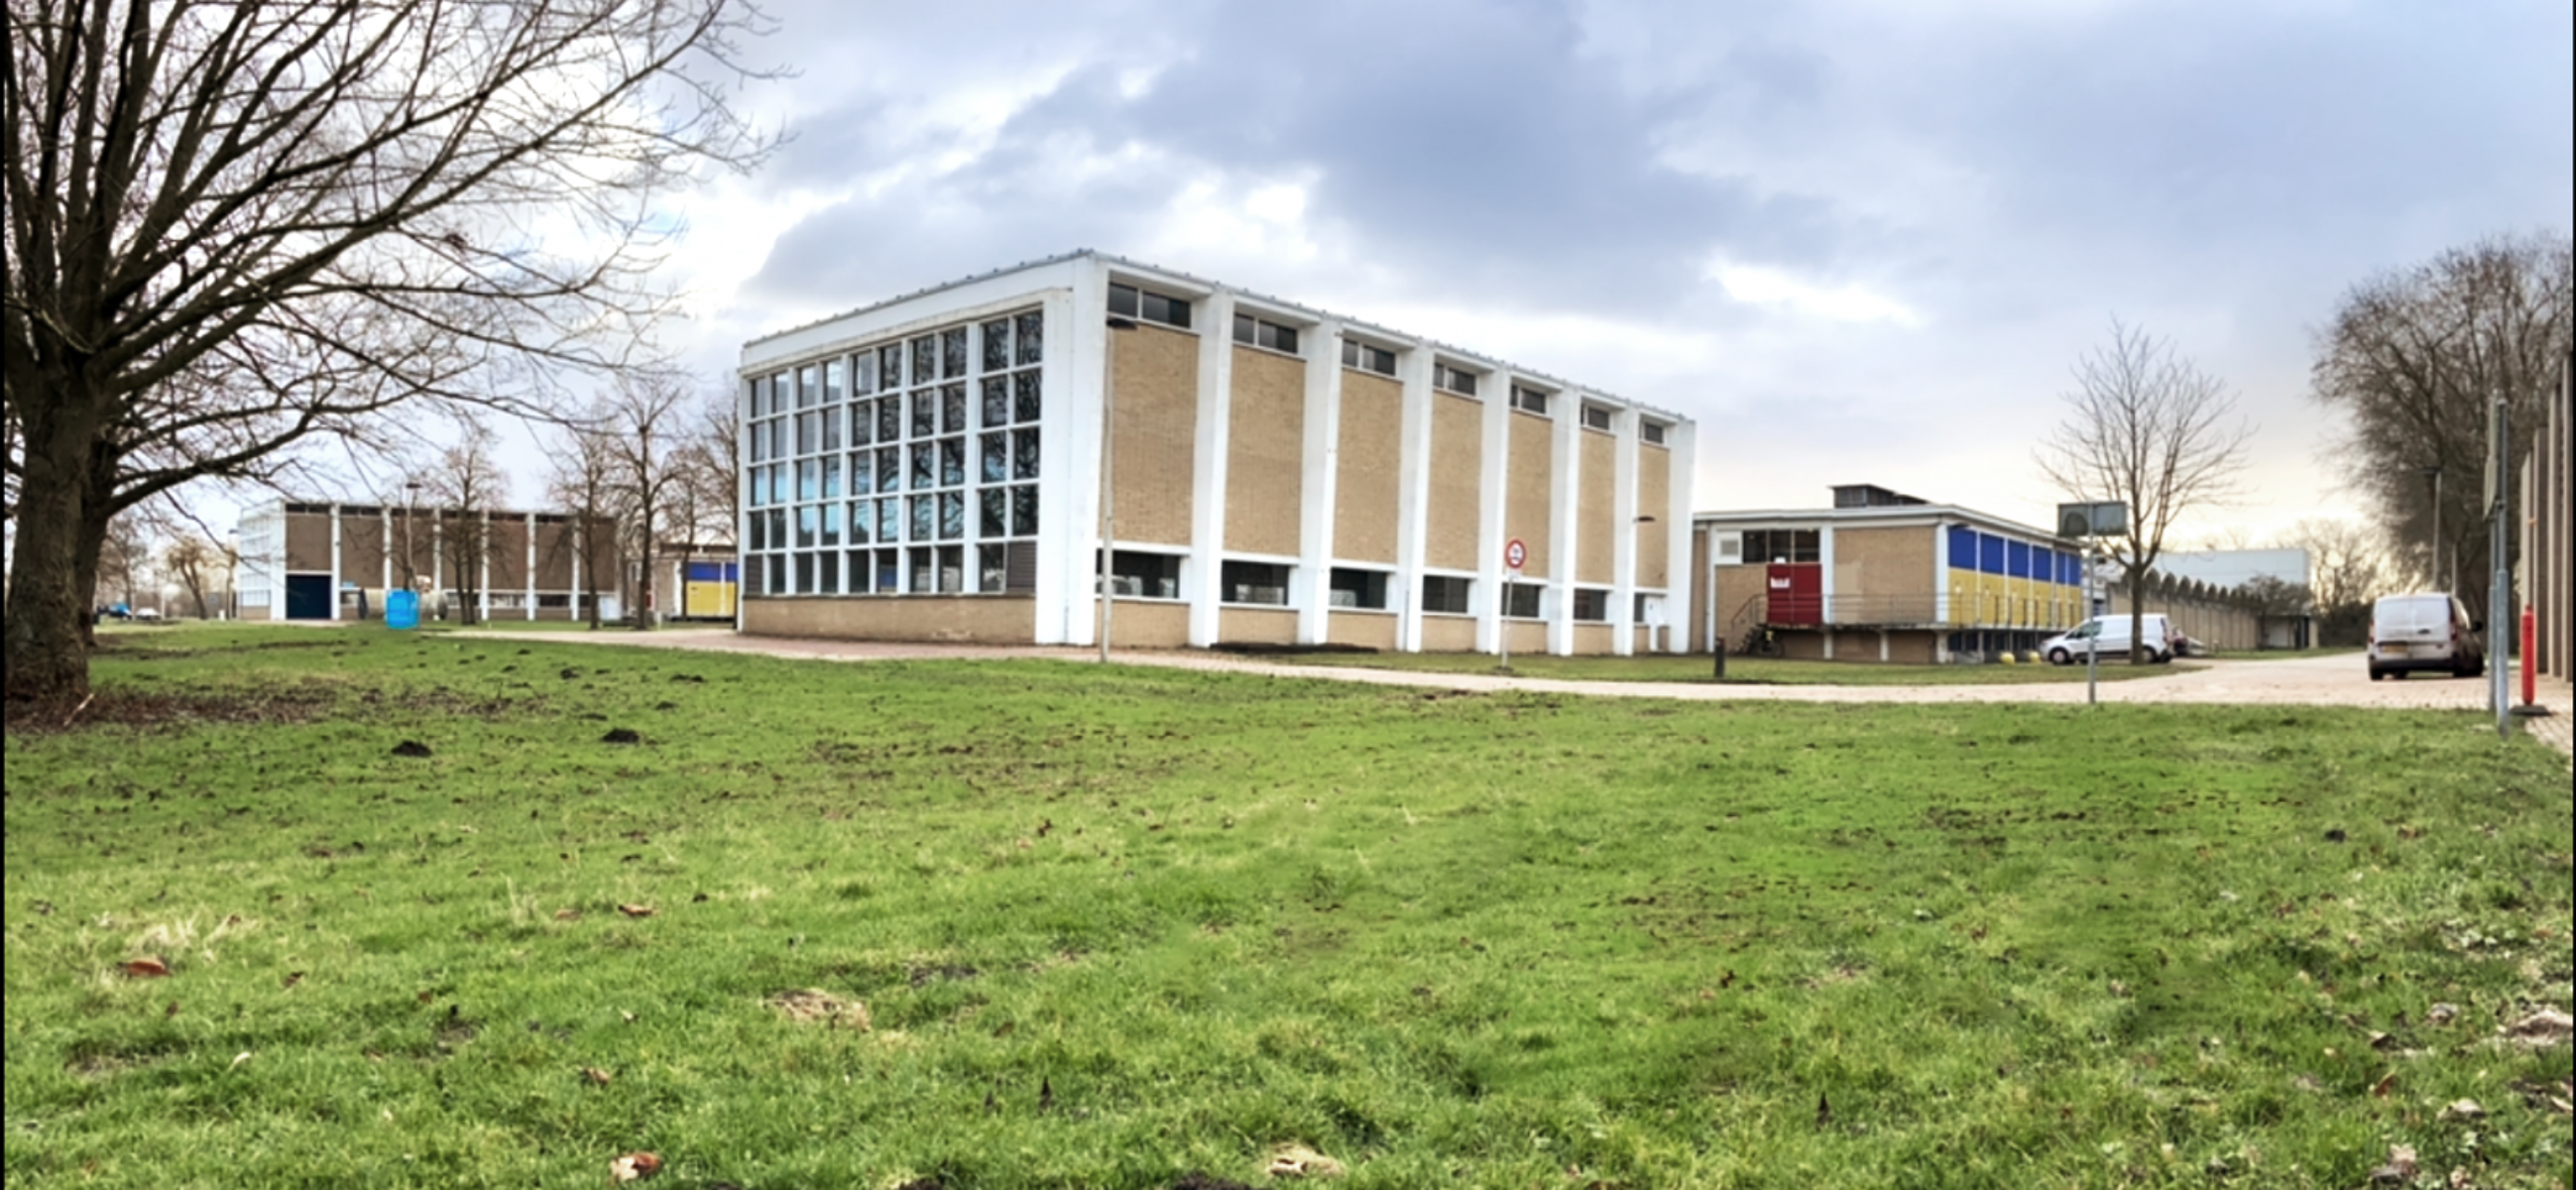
(1113, 925)
(1755, 671)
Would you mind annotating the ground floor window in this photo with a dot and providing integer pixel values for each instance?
(1264, 583)
(1359, 588)
(1591, 605)
(1134, 574)
(1446, 595)
(1521, 600)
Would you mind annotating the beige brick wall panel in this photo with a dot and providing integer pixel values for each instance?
(308, 541)
(1156, 422)
(1654, 499)
(1265, 468)
(1884, 562)
(555, 545)
(1528, 637)
(1912, 648)
(1596, 512)
(1256, 626)
(509, 554)
(1150, 625)
(996, 620)
(1369, 469)
(1593, 640)
(1702, 595)
(1457, 472)
(1448, 634)
(1368, 630)
(363, 553)
(1525, 489)
(1736, 586)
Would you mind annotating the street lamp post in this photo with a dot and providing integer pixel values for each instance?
(1108, 457)
(411, 512)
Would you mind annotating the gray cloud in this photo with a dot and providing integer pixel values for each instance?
(2013, 174)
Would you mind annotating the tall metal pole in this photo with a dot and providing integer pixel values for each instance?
(2093, 642)
(2500, 579)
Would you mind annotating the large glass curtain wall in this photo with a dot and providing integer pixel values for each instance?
(909, 467)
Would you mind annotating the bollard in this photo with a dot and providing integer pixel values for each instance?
(2530, 638)
(1721, 661)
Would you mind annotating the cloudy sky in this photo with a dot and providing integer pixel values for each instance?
(1858, 242)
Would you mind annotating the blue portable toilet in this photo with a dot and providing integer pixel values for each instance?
(402, 609)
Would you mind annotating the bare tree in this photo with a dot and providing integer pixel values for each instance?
(2148, 428)
(195, 563)
(643, 424)
(2413, 359)
(462, 487)
(125, 557)
(235, 227)
(582, 480)
(2348, 570)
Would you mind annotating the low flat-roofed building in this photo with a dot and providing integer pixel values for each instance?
(932, 468)
(1881, 576)
(312, 560)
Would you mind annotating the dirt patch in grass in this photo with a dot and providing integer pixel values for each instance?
(808, 1005)
(153, 710)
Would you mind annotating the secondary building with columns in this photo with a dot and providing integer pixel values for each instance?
(947, 464)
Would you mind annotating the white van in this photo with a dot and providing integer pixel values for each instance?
(2427, 630)
(2110, 635)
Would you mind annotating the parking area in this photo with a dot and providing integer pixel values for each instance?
(2338, 680)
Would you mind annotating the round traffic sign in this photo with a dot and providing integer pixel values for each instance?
(1515, 552)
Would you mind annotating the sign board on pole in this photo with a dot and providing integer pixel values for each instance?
(1515, 552)
(2106, 518)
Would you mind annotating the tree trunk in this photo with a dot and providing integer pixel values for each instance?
(644, 577)
(49, 608)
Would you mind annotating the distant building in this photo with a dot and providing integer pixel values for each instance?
(1883, 576)
(932, 468)
(2235, 568)
(303, 560)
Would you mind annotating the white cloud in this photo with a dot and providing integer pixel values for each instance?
(1760, 286)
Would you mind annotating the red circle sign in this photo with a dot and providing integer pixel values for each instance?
(1515, 552)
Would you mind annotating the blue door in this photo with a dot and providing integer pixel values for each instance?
(308, 597)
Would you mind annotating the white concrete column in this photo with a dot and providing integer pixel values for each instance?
(385, 518)
(532, 566)
(483, 568)
(1564, 525)
(1825, 582)
(1203, 581)
(742, 514)
(1072, 379)
(1940, 590)
(1322, 470)
(1412, 496)
(1493, 491)
(1623, 549)
(335, 562)
(1681, 575)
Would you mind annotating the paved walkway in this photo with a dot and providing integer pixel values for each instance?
(2314, 681)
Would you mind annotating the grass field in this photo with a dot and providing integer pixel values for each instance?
(1113, 926)
(1752, 671)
